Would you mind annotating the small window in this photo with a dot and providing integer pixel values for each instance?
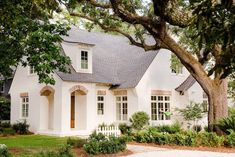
(84, 60)
(100, 105)
(176, 65)
(32, 70)
(25, 107)
(160, 105)
(2, 87)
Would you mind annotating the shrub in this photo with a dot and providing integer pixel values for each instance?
(21, 127)
(76, 142)
(230, 140)
(197, 128)
(144, 137)
(64, 151)
(127, 138)
(139, 120)
(211, 139)
(185, 139)
(227, 123)
(124, 128)
(98, 143)
(5, 125)
(8, 131)
(171, 129)
(5, 109)
(162, 138)
(4, 151)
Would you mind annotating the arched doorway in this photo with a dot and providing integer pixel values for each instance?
(78, 108)
(47, 108)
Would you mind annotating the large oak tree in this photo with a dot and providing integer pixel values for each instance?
(206, 29)
(29, 36)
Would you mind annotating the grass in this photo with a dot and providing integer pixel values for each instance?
(29, 145)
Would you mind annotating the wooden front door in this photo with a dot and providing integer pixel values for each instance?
(72, 123)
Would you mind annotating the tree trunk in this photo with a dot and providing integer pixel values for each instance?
(218, 105)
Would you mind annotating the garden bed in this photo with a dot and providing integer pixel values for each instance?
(82, 153)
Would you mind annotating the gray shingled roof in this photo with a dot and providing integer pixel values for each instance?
(115, 61)
(186, 84)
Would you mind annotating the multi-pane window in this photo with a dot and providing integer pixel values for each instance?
(24, 107)
(2, 87)
(84, 60)
(122, 108)
(100, 105)
(160, 105)
(31, 70)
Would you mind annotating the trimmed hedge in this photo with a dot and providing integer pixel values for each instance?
(100, 144)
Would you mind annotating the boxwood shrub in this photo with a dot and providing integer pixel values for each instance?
(100, 144)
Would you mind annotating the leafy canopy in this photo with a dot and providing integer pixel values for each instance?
(29, 37)
(204, 27)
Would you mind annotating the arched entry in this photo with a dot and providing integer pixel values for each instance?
(78, 107)
(47, 108)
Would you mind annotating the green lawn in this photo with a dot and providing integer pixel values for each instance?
(28, 145)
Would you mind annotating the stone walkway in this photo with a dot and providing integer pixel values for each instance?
(148, 151)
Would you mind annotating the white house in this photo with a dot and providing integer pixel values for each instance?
(109, 81)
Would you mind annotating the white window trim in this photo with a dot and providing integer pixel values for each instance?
(97, 101)
(122, 118)
(163, 101)
(29, 71)
(21, 107)
(89, 53)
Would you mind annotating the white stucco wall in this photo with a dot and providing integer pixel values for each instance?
(159, 77)
(25, 83)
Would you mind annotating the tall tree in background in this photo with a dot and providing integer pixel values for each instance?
(29, 37)
(206, 26)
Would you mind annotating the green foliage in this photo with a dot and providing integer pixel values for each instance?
(125, 128)
(5, 109)
(230, 140)
(29, 37)
(76, 142)
(4, 151)
(21, 127)
(8, 131)
(64, 151)
(171, 129)
(211, 139)
(227, 124)
(99, 144)
(191, 112)
(139, 120)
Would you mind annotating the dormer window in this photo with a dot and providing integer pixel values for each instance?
(84, 60)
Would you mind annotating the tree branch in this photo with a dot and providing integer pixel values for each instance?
(141, 44)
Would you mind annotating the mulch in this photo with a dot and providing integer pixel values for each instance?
(80, 152)
(199, 148)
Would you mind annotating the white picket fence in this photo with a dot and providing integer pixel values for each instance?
(109, 130)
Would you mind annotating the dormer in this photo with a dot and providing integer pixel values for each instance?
(80, 55)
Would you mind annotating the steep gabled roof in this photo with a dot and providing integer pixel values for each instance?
(115, 61)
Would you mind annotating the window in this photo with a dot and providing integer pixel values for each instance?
(2, 87)
(31, 70)
(25, 107)
(121, 102)
(84, 60)
(159, 106)
(176, 65)
(100, 105)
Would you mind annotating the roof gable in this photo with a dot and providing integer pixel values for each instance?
(115, 61)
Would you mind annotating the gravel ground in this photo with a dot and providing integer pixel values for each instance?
(147, 151)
